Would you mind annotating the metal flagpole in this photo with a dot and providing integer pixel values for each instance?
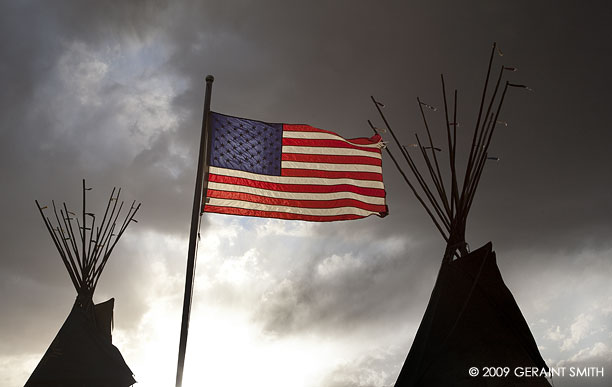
(197, 208)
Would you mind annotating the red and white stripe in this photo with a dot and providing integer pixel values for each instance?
(324, 177)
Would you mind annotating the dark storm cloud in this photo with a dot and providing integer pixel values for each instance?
(38, 161)
(30, 56)
(553, 152)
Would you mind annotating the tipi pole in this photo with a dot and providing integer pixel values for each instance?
(84, 234)
(451, 149)
(57, 243)
(197, 207)
(416, 194)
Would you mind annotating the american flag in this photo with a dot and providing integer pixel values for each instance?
(292, 172)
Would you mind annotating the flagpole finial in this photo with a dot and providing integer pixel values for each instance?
(210, 78)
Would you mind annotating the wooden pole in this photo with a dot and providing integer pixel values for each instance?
(197, 205)
(416, 194)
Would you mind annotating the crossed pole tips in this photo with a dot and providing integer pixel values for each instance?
(86, 245)
(448, 204)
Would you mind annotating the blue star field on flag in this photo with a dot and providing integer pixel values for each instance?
(245, 145)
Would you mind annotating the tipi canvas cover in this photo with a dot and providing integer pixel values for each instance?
(82, 353)
(472, 320)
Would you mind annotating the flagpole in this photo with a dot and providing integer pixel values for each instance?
(193, 234)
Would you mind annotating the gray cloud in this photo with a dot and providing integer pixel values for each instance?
(341, 289)
(369, 371)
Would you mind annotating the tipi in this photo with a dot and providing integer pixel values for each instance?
(82, 353)
(472, 325)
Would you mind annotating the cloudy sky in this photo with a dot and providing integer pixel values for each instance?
(113, 92)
